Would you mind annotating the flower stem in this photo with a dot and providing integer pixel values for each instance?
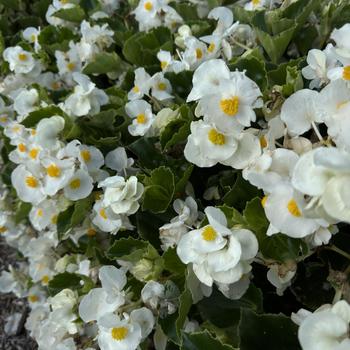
(339, 251)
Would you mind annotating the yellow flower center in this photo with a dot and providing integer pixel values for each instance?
(293, 208)
(209, 234)
(16, 129)
(32, 38)
(33, 298)
(148, 6)
(3, 229)
(64, 1)
(211, 47)
(263, 142)
(31, 181)
(216, 138)
(346, 73)
(40, 212)
(70, 66)
(53, 170)
(136, 89)
(33, 132)
(161, 86)
(141, 118)
(22, 57)
(199, 54)
(230, 106)
(3, 118)
(86, 155)
(163, 64)
(91, 232)
(119, 333)
(256, 2)
(22, 147)
(263, 201)
(33, 153)
(54, 219)
(103, 214)
(74, 184)
(45, 279)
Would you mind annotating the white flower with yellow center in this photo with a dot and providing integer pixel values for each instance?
(105, 218)
(90, 156)
(28, 185)
(142, 84)
(218, 254)
(36, 296)
(20, 61)
(100, 35)
(86, 98)
(43, 215)
(142, 115)
(231, 106)
(78, 186)
(160, 87)
(284, 208)
(57, 172)
(68, 63)
(122, 195)
(195, 52)
(327, 328)
(146, 14)
(31, 34)
(253, 5)
(168, 63)
(206, 146)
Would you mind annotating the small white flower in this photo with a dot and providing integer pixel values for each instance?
(113, 280)
(142, 115)
(151, 293)
(79, 185)
(31, 34)
(105, 218)
(47, 131)
(25, 102)
(141, 84)
(118, 160)
(160, 87)
(43, 214)
(20, 61)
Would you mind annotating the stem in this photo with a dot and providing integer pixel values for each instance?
(245, 47)
(337, 296)
(339, 251)
(317, 132)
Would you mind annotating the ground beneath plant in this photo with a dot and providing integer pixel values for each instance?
(9, 304)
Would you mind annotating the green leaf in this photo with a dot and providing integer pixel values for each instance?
(72, 281)
(173, 263)
(22, 211)
(275, 332)
(12, 4)
(202, 340)
(75, 14)
(159, 190)
(82, 208)
(224, 312)
(105, 62)
(64, 221)
(185, 303)
(142, 48)
(127, 248)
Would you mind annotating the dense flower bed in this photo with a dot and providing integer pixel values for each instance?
(176, 174)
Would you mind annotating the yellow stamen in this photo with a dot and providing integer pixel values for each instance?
(293, 208)
(33, 298)
(230, 106)
(33, 132)
(209, 234)
(119, 333)
(263, 201)
(53, 170)
(71, 66)
(199, 54)
(3, 229)
(22, 57)
(74, 184)
(54, 219)
(136, 89)
(263, 142)
(148, 6)
(103, 214)
(256, 2)
(31, 181)
(32, 38)
(22, 147)
(91, 232)
(86, 155)
(33, 153)
(211, 47)
(40, 212)
(346, 73)
(45, 279)
(3, 118)
(216, 138)
(161, 86)
(141, 118)
(163, 64)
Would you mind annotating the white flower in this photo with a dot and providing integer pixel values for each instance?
(31, 34)
(284, 209)
(141, 112)
(25, 102)
(218, 254)
(86, 98)
(105, 218)
(195, 52)
(20, 61)
(141, 84)
(28, 185)
(47, 131)
(100, 35)
(43, 214)
(145, 319)
(146, 14)
(120, 195)
(118, 160)
(122, 333)
(327, 328)
(253, 5)
(206, 146)
(68, 62)
(151, 293)
(280, 277)
(340, 36)
(79, 185)
(160, 87)
(299, 111)
(113, 280)
(90, 156)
